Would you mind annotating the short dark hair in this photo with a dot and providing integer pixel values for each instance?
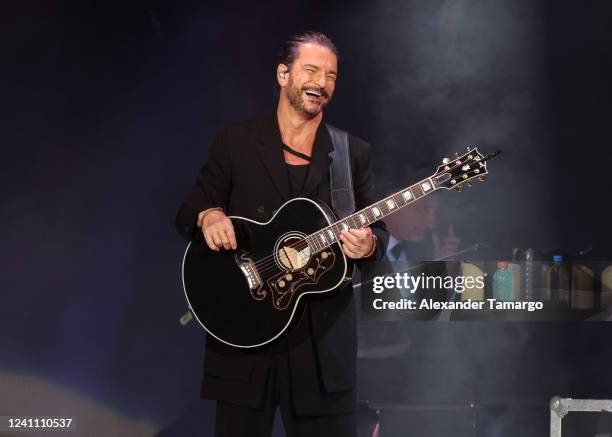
(291, 47)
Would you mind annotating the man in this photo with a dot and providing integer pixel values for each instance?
(413, 233)
(253, 168)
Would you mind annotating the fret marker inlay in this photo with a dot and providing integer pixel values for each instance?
(328, 236)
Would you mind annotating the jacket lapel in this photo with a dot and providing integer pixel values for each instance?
(270, 151)
(319, 165)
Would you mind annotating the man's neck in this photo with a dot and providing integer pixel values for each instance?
(297, 130)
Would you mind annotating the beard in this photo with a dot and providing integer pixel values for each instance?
(296, 99)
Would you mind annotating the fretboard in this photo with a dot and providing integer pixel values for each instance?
(360, 219)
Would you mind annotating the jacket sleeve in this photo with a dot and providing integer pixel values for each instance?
(365, 192)
(211, 188)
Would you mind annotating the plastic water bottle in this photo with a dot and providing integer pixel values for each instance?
(529, 275)
(559, 282)
(502, 282)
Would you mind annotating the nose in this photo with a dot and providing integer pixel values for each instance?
(321, 79)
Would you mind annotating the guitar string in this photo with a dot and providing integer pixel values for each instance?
(264, 266)
(269, 263)
(263, 263)
(300, 245)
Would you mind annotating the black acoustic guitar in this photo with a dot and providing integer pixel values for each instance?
(297, 253)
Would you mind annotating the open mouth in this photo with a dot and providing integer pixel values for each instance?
(313, 93)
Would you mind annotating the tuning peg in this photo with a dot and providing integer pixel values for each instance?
(468, 148)
(445, 161)
(482, 178)
(470, 183)
(456, 155)
(458, 188)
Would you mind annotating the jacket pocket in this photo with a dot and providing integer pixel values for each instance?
(234, 367)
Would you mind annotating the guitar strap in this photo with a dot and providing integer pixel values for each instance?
(340, 174)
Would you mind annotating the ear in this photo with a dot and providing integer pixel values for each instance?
(282, 75)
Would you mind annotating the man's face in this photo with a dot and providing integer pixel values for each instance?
(312, 79)
(413, 222)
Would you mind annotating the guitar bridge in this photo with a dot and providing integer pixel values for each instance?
(249, 270)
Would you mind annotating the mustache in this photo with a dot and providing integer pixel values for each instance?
(317, 89)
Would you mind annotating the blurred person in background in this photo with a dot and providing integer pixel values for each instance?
(414, 235)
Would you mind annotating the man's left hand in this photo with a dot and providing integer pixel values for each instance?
(357, 243)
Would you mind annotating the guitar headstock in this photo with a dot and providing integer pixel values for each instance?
(453, 173)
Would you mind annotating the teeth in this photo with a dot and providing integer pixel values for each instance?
(313, 92)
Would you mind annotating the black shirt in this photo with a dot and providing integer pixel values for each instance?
(297, 177)
(299, 331)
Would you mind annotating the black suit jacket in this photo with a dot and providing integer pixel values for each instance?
(247, 176)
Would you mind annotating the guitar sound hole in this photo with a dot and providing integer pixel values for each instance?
(292, 252)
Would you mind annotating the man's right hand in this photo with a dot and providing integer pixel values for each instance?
(217, 229)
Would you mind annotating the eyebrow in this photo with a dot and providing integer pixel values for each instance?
(316, 67)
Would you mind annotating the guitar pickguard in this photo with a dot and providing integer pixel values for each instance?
(285, 284)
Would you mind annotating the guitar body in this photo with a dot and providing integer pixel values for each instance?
(250, 296)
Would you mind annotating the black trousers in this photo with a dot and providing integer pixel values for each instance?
(238, 421)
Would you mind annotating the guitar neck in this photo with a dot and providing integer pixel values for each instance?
(360, 219)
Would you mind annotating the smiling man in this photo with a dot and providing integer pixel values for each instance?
(253, 168)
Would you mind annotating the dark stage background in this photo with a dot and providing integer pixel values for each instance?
(107, 110)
